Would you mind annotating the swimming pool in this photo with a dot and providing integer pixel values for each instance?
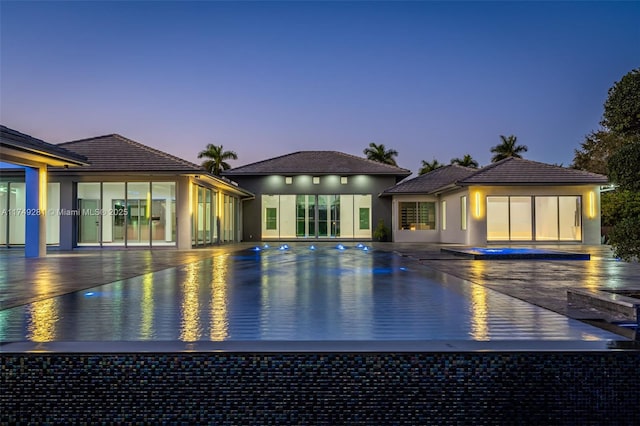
(293, 293)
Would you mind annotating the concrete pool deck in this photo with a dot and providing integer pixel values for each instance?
(542, 283)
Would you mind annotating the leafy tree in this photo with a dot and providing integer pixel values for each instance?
(381, 154)
(624, 167)
(466, 161)
(622, 107)
(595, 151)
(507, 148)
(429, 166)
(217, 157)
(624, 170)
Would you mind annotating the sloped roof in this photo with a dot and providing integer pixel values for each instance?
(319, 163)
(13, 140)
(432, 181)
(518, 171)
(111, 153)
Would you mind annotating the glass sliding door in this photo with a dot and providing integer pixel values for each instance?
(4, 218)
(520, 218)
(556, 218)
(113, 225)
(570, 218)
(546, 218)
(305, 216)
(163, 213)
(138, 213)
(89, 206)
(497, 218)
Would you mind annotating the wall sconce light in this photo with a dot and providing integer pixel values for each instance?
(592, 205)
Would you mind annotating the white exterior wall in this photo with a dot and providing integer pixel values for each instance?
(477, 230)
(417, 236)
(454, 232)
(476, 233)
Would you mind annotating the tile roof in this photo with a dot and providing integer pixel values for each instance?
(432, 181)
(318, 162)
(13, 139)
(518, 171)
(111, 153)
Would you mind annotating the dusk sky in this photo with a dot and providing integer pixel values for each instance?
(429, 79)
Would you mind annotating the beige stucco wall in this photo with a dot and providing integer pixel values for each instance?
(477, 212)
(476, 233)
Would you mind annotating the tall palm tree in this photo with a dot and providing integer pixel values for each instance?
(216, 158)
(466, 161)
(381, 154)
(507, 148)
(429, 167)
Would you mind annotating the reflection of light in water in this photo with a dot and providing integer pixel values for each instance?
(42, 322)
(219, 329)
(146, 307)
(190, 327)
(479, 311)
(256, 248)
(284, 247)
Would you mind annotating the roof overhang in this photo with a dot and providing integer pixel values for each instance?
(27, 156)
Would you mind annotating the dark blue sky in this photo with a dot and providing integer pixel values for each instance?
(430, 79)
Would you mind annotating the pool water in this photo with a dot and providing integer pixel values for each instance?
(293, 293)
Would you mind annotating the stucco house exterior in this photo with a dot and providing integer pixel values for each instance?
(124, 194)
(315, 195)
(111, 191)
(510, 201)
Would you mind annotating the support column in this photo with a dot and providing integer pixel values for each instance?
(183, 203)
(35, 240)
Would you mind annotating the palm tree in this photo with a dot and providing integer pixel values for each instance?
(507, 148)
(466, 161)
(429, 167)
(217, 157)
(381, 154)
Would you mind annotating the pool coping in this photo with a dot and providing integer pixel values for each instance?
(542, 254)
(340, 346)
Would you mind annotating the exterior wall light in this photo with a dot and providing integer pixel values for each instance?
(592, 205)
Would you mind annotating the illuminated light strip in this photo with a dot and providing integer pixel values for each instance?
(592, 205)
(477, 204)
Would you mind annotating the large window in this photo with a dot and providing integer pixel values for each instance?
(539, 218)
(316, 216)
(416, 216)
(126, 213)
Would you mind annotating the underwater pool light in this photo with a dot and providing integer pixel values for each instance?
(256, 248)
(360, 245)
(266, 246)
(89, 294)
(340, 247)
(365, 248)
(284, 247)
(312, 247)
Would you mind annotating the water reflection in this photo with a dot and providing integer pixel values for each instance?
(43, 318)
(147, 308)
(479, 313)
(190, 330)
(219, 321)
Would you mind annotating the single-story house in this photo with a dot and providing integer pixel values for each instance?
(315, 195)
(123, 194)
(511, 201)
